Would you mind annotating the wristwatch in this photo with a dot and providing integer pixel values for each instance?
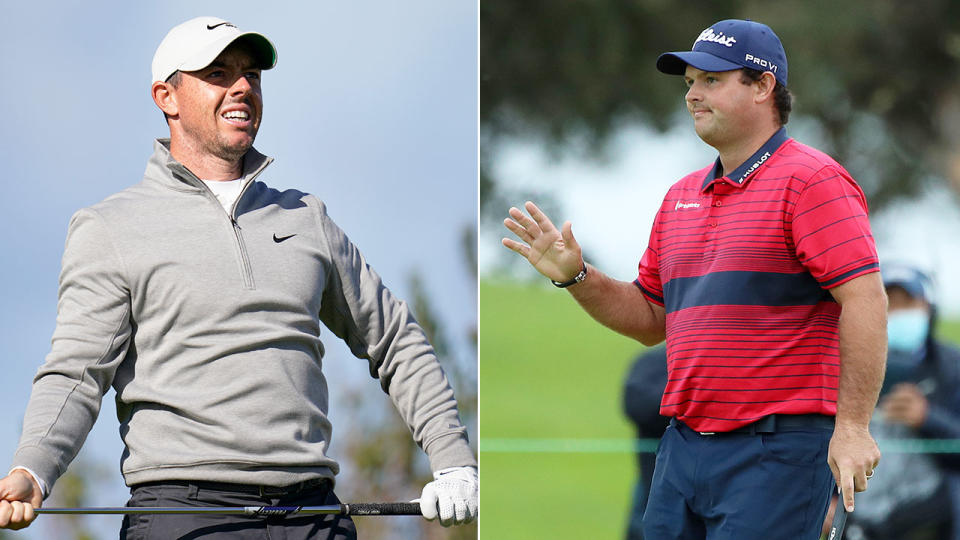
(576, 279)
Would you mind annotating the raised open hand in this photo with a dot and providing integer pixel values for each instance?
(554, 253)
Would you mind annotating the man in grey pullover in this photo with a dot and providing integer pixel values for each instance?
(198, 294)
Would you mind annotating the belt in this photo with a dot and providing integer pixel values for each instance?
(772, 424)
(314, 484)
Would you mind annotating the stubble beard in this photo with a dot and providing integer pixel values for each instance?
(227, 151)
(212, 142)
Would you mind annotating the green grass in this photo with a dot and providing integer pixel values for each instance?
(555, 496)
(548, 371)
(949, 331)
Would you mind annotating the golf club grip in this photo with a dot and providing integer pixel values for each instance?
(839, 521)
(382, 509)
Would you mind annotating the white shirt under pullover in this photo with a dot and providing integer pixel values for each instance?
(208, 326)
(226, 191)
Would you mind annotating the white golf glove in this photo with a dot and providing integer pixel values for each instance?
(452, 496)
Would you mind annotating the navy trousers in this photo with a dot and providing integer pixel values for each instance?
(228, 527)
(739, 485)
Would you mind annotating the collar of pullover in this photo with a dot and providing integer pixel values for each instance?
(163, 167)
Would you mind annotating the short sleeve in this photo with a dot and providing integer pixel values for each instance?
(830, 229)
(648, 278)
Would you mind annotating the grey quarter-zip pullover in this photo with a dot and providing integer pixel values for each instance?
(208, 325)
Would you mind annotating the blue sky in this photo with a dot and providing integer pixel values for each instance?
(372, 107)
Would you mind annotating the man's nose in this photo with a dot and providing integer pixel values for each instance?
(241, 86)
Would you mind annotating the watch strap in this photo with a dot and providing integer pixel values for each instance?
(576, 279)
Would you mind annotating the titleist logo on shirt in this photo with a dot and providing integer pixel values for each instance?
(710, 35)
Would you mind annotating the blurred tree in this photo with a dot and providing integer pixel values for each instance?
(386, 463)
(879, 78)
(73, 490)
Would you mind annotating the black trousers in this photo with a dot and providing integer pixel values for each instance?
(222, 527)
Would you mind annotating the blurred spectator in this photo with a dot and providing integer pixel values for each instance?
(642, 393)
(913, 495)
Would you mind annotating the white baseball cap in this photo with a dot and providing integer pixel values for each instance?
(194, 44)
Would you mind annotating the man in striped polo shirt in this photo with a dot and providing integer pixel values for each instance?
(762, 275)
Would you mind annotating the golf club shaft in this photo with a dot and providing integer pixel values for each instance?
(355, 509)
(839, 520)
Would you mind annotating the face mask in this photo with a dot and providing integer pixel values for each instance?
(907, 329)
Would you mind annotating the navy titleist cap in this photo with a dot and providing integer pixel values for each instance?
(913, 280)
(728, 45)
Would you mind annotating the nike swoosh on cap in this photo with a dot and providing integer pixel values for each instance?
(211, 27)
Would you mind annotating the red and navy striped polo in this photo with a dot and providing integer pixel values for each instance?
(742, 264)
